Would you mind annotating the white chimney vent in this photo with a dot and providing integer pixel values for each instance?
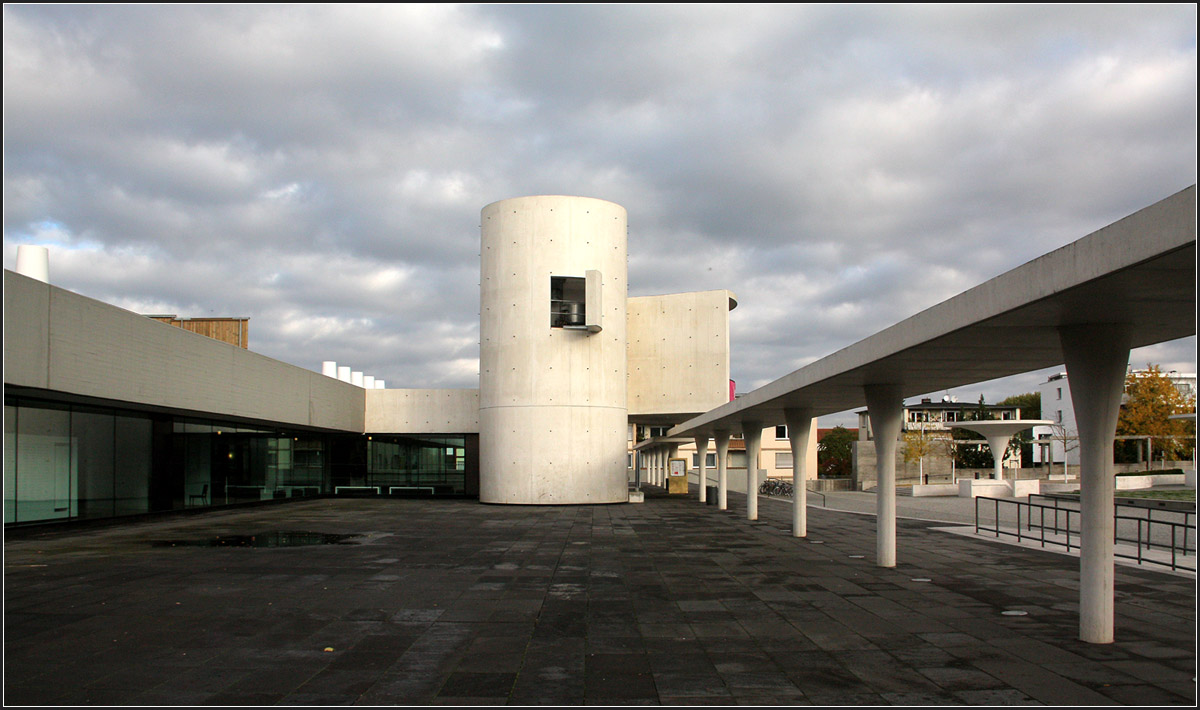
(34, 262)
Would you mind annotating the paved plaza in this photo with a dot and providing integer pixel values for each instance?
(665, 602)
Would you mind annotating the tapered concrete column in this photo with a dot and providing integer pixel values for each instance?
(998, 445)
(722, 438)
(885, 406)
(752, 433)
(998, 433)
(702, 469)
(799, 426)
(1096, 357)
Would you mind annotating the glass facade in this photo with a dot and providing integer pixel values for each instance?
(417, 465)
(43, 447)
(64, 462)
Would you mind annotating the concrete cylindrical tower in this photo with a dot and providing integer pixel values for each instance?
(552, 411)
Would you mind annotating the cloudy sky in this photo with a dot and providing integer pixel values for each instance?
(321, 169)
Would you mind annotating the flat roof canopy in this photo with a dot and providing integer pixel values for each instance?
(1140, 271)
(658, 441)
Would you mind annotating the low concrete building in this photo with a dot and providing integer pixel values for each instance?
(108, 412)
(931, 416)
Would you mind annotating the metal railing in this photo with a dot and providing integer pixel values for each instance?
(1176, 538)
(1180, 521)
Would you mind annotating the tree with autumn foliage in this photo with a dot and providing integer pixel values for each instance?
(834, 457)
(1150, 399)
(919, 442)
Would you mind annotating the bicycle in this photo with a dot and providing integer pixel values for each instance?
(776, 487)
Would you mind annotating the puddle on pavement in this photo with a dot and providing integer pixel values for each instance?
(265, 539)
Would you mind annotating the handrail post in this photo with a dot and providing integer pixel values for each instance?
(1042, 520)
(1139, 540)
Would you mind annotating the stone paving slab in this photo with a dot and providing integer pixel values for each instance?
(664, 602)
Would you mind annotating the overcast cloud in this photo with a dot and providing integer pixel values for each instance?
(321, 169)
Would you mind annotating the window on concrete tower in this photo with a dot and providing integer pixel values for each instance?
(568, 302)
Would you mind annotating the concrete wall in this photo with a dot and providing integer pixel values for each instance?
(552, 403)
(422, 411)
(60, 341)
(938, 466)
(678, 353)
(735, 479)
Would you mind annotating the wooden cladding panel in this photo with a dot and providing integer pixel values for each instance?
(235, 331)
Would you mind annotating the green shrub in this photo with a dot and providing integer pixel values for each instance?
(1155, 472)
